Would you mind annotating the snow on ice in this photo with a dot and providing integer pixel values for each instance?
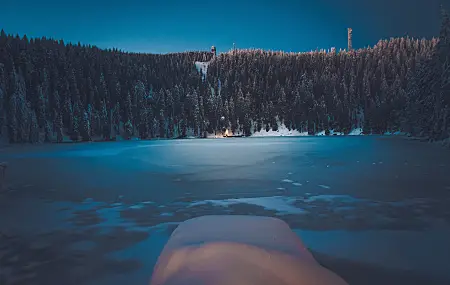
(280, 204)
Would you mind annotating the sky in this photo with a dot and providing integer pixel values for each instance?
(178, 25)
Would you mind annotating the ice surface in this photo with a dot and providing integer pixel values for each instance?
(405, 250)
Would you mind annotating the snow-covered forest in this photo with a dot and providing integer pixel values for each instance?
(52, 91)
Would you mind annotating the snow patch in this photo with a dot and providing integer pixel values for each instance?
(137, 207)
(282, 131)
(325, 186)
(356, 132)
(202, 67)
(280, 204)
(287, 180)
(397, 133)
(331, 198)
(334, 133)
(322, 133)
(297, 184)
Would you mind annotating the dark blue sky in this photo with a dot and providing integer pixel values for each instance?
(179, 25)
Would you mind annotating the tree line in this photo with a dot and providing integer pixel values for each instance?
(51, 91)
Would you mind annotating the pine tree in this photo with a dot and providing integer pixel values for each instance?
(85, 127)
(34, 128)
(59, 127)
(104, 118)
(13, 124)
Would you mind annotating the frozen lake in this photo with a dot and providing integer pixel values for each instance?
(375, 210)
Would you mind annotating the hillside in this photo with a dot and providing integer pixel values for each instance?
(50, 90)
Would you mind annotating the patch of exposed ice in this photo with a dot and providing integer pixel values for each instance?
(83, 245)
(280, 204)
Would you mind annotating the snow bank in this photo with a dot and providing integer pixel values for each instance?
(202, 67)
(356, 132)
(322, 133)
(282, 131)
(333, 133)
(214, 136)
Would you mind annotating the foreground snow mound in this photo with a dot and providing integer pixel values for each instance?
(356, 132)
(282, 131)
(202, 67)
(240, 245)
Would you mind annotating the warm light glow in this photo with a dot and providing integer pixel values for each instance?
(244, 250)
(226, 133)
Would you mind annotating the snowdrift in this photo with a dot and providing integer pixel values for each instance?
(283, 131)
(356, 132)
